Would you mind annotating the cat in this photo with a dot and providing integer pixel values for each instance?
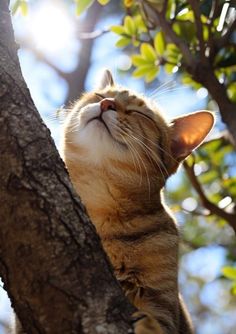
(119, 152)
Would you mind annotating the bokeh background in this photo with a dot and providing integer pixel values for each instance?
(60, 60)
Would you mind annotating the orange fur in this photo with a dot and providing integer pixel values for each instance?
(119, 173)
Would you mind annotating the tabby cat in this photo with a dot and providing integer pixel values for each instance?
(119, 152)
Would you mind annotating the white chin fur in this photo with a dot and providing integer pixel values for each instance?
(93, 136)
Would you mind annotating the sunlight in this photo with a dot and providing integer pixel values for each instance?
(51, 28)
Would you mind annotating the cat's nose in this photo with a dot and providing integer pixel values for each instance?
(107, 104)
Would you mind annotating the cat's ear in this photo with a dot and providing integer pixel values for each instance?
(105, 80)
(188, 131)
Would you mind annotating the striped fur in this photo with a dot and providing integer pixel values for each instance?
(119, 170)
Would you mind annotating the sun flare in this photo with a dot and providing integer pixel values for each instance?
(51, 28)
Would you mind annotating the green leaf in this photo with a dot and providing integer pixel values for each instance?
(138, 60)
(208, 176)
(129, 25)
(15, 7)
(148, 52)
(24, 8)
(159, 43)
(233, 288)
(230, 183)
(139, 23)
(21, 5)
(128, 3)
(142, 71)
(117, 29)
(82, 5)
(229, 272)
(231, 91)
(122, 42)
(152, 74)
(205, 33)
(172, 53)
(186, 16)
(135, 42)
(187, 80)
(169, 68)
(103, 2)
(186, 30)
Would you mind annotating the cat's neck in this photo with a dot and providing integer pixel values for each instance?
(111, 201)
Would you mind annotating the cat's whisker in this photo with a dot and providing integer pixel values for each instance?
(164, 92)
(151, 154)
(160, 162)
(150, 157)
(158, 147)
(134, 156)
(148, 179)
(143, 163)
(132, 149)
(162, 87)
(75, 127)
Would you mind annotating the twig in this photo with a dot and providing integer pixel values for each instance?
(213, 209)
(197, 14)
(161, 21)
(93, 34)
(40, 56)
(163, 11)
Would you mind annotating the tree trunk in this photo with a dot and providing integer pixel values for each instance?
(51, 260)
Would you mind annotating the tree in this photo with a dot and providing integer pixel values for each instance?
(194, 37)
(51, 260)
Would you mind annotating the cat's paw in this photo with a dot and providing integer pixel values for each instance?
(145, 323)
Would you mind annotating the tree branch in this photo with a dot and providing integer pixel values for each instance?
(93, 34)
(197, 14)
(40, 56)
(55, 271)
(213, 209)
(76, 79)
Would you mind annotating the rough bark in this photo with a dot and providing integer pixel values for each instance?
(51, 260)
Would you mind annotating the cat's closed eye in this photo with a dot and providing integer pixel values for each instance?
(140, 114)
(100, 96)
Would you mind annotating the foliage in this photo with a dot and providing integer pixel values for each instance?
(230, 273)
(81, 5)
(197, 29)
(20, 5)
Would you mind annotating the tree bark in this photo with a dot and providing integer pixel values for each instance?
(51, 260)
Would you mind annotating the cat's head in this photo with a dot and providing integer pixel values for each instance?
(112, 127)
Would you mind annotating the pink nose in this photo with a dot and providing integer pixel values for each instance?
(107, 104)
